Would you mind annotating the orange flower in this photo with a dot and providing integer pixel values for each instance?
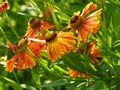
(3, 6)
(74, 73)
(58, 44)
(86, 23)
(22, 59)
(93, 52)
(36, 27)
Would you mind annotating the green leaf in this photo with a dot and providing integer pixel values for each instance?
(116, 45)
(76, 62)
(28, 87)
(78, 85)
(59, 82)
(28, 15)
(98, 85)
(14, 84)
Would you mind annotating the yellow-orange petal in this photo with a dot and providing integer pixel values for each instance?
(10, 64)
(45, 25)
(93, 51)
(31, 32)
(36, 48)
(10, 45)
(20, 62)
(83, 34)
(28, 60)
(89, 7)
(73, 73)
(61, 44)
(93, 21)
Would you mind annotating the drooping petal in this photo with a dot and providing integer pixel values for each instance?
(82, 34)
(10, 45)
(30, 32)
(20, 62)
(89, 7)
(45, 25)
(61, 44)
(10, 64)
(36, 48)
(28, 60)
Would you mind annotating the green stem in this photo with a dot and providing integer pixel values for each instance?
(41, 63)
(4, 34)
(61, 69)
(104, 28)
(54, 17)
(8, 20)
(15, 77)
(35, 5)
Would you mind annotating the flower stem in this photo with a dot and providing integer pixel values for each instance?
(4, 34)
(37, 59)
(15, 77)
(54, 16)
(35, 5)
(8, 20)
(41, 63)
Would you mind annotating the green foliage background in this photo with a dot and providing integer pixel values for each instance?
(106, 76)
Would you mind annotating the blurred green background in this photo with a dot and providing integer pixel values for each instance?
(20, 11)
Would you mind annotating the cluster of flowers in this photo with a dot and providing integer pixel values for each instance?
(42, 35)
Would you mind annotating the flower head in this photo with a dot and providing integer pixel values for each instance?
(58, 44)
(36, 27)
(84, 22)
(22, 59)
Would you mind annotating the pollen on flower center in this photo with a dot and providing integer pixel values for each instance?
(76, 21)
(50, 36)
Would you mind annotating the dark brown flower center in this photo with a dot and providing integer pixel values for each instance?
(34, 23)
(50, 36)
(73, 19)
(31, 20)
(76, 21)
